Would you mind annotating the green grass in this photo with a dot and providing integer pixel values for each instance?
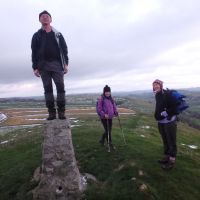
(115, 171)
(18, 160)
(118, 172)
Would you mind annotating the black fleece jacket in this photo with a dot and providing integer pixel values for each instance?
(38, 45)
(164, 102)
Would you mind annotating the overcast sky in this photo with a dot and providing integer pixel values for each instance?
(123, 43)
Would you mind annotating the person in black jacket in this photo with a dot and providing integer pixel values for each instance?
(166, 117)
(50, 62)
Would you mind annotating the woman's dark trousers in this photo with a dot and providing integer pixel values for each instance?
(168, 134)
(107, 124)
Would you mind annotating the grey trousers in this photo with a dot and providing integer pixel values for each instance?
(57, 76)
(168, 134)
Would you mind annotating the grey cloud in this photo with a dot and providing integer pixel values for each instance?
(98, 45)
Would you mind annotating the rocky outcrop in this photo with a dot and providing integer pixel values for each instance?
(59, 177)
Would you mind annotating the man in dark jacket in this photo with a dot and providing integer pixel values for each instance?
(166, 117)
(50, 62)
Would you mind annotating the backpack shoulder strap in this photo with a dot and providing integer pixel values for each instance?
(112, 100)
(101, 98)
(168, 93)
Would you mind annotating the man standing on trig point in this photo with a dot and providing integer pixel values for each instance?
(50, 62)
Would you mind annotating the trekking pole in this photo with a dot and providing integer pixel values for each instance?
(108, 135)
(121, 130)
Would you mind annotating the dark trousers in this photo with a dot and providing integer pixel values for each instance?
(107, 124)
(58, 78)
(168, 134)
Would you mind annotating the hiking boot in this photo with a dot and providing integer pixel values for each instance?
(52, 116)
(108, 149)
(164, 160)
(168, 166)
(61, 115)
(112, 147)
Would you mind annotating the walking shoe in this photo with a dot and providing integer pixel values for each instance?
(168, 166)
(112, 147)
(52, 116)
(61, 115)
(108, 149)
(164, 160)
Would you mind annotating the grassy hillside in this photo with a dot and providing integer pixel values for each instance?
(121, 173)
(18, 160)
(129, 172)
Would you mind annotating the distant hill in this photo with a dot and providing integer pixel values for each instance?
(119, 93)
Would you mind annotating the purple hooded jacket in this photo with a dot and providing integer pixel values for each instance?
(106, 105)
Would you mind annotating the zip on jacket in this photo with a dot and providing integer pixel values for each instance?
(106, 106)
(37, 46)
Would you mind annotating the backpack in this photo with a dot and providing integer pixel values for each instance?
(177, 100)
(103, 97)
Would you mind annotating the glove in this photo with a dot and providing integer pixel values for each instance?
(164, 114)
(106, 116)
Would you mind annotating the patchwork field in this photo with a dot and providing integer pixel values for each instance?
(30, 116)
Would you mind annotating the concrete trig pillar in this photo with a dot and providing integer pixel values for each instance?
(60, 178)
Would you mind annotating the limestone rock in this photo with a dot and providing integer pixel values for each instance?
(60, 178)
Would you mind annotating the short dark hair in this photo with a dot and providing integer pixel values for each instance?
(44, 12)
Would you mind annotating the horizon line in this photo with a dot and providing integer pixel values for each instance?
(82, 93)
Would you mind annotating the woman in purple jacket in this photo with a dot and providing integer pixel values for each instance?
(106, 109)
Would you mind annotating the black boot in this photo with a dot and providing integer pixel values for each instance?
(169, 165)
(101, 141)
(164, 160)
(112, 146)
(52, 113)
(52, 116)
(61, 115)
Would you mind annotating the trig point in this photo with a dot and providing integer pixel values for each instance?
(59, 177)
